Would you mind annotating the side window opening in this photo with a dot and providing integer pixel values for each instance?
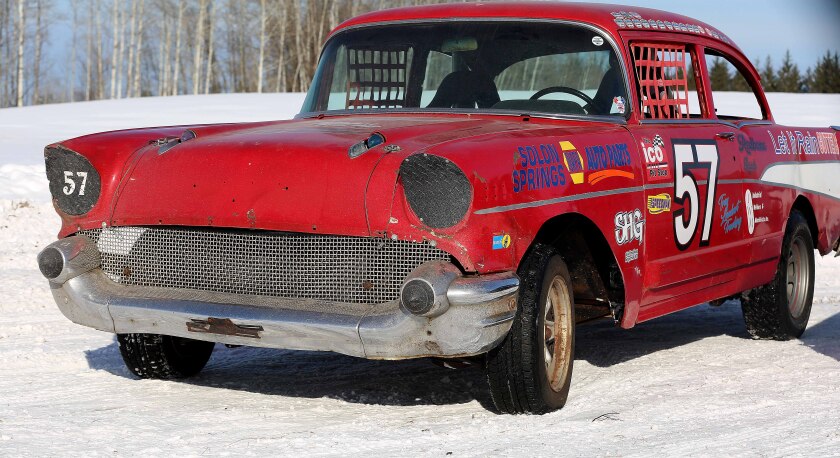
(667, 81)
(733, 96)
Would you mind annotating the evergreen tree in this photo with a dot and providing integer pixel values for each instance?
(719, 75)
(768, 76)
(826, 76)
(807, 80)
(788, 79)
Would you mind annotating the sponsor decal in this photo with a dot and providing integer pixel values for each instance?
(629, 226)
(749, 146)
(729, 211)
(659, 203)
(654, 153)
(620, 104)
(631, 255)
(597, 41)
(795, 142)
(827, 143)
(537, 167)
(573, 161)
(501, 242)
(752, 203)
(605, 161)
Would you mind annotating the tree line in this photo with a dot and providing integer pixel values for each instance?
(824, 77)
(133, 48)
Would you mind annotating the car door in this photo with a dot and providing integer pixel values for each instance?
(693, 183)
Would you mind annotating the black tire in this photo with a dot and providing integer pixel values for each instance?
(157, 356)
(780, 309)
(517, 371)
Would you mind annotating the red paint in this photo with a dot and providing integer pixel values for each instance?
(297, 176)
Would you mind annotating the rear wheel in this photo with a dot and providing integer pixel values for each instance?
(780, 309)
(531, 371)
(163, 357)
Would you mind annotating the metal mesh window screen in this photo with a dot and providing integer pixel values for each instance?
(663, 80)
(289, 265)
(377, 78)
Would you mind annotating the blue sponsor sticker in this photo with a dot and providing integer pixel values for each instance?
(501, 242)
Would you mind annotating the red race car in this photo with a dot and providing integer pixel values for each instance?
(463, 181)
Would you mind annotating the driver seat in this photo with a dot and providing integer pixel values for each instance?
(611, 86)
(465, 89)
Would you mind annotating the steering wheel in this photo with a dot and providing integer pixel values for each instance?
(567, 90)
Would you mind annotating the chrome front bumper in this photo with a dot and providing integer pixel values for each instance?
(479, 314)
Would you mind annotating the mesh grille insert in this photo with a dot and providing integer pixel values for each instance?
(288, 265)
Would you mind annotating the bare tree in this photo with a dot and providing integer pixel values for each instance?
(137, 54)
(199, 41)
(100, 80)
(21, 43)
(281, 58)
(177, 47)
(261, 66)
(36, 66)
(211, 25)
(121, 52)
(115, 27)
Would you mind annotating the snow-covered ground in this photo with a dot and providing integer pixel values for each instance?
(691, 383)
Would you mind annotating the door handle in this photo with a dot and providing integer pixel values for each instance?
(727, 136)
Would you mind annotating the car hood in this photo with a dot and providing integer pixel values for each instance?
(290, 176)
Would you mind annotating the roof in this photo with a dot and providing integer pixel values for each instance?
(611, 18)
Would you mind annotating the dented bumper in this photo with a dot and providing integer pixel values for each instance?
(479, 314)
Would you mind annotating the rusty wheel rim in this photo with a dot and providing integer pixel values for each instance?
(556, 333)
(796, 281)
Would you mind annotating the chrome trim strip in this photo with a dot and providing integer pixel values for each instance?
(468, 291)
(606, 34)
(484, 112)
(688, 121)
(755, 123)
(557, 200)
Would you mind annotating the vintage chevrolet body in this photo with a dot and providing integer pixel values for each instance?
(463, 181)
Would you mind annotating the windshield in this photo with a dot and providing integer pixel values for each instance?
(527, 67)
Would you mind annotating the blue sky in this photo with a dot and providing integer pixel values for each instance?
(764, 27)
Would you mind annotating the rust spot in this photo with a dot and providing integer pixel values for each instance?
(367, 285)
(252, 217)
(209, 220)
(126, 272)
(433, 347)
(224, 326)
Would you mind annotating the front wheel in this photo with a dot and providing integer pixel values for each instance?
(163, 357)
(780, 309)
(531, 371)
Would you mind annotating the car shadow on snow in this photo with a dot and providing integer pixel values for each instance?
(603, 345)
(824, 337)
(308, 374)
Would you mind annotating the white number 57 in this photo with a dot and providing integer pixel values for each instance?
(686, 158)
(70, 185)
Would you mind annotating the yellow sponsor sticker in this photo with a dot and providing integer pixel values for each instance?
(659, 203)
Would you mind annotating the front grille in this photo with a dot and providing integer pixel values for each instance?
(288, 265)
